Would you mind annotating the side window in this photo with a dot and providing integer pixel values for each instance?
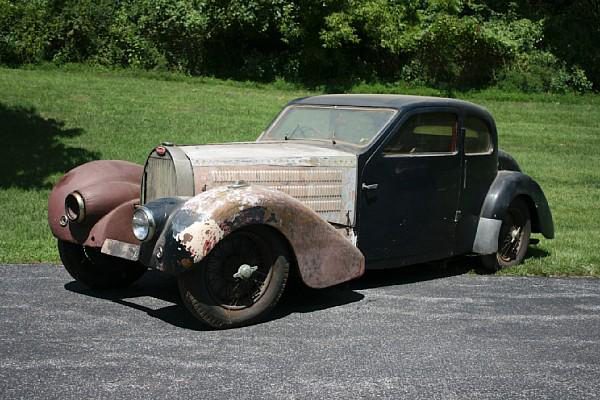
(477, 136)
(425, 133)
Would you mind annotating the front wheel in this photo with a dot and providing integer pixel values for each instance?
(239, 281)
(513, 238)
(97, 270)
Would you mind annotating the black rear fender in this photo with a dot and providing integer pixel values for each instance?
(509, 185)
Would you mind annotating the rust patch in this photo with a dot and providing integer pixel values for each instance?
(186, 262)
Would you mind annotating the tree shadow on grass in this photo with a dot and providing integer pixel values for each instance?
(33, 150)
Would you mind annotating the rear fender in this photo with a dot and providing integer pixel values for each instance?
(507, 186)
(324, 257)
(507, 162)
(109, 189)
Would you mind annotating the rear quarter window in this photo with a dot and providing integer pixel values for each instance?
(478, 139)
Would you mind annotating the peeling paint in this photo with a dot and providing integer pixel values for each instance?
(274, 154)
(325, 256)
(330, 192)
(199, 238)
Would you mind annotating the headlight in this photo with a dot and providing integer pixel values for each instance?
(75, 207)
(143, 224)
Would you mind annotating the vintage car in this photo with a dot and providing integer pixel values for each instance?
(334, 184)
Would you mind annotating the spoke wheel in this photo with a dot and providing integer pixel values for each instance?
(239, 281)
(224, 281)
(513, 238)
(96, 270)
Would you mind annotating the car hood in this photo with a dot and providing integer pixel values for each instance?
(268, 153)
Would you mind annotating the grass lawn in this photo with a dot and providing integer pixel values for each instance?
(52, 120)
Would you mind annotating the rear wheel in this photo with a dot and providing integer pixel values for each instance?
(97, 270)
(239, 281)
(513, 238)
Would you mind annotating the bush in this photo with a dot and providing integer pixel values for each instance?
(23, 31)
(541, 71)
(570, 79)
(460, 52)
(444, 43)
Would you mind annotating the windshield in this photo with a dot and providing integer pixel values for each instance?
(355, 125)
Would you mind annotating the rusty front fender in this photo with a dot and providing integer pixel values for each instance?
(109, 188)
(323, 255)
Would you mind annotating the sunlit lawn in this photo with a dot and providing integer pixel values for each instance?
(53, 120)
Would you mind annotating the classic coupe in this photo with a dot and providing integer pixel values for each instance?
(334, 185)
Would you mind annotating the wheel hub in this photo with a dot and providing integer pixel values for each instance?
(245, 271)
(515, 234)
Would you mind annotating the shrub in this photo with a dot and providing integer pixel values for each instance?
(23, 31)
(541, 71)
(460, 52)
(444, 43)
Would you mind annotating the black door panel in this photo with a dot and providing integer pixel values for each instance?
(410, 217)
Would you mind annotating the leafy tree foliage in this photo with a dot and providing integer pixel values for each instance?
(527, 44)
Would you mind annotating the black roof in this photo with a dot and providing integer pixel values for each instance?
(390, 101)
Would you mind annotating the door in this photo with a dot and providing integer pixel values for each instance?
(480, 169)
(410, 191)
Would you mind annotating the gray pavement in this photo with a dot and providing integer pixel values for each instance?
(420, 333)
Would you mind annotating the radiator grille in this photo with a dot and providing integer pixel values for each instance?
(160, 178)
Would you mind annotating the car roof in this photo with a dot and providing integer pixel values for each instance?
(395, 101)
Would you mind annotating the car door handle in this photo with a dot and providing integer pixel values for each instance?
(372, 186)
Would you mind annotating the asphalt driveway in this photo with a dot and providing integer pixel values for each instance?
(426, 333)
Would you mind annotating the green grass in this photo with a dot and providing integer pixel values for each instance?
(54, 119)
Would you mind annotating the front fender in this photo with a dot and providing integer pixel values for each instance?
(110, 188)
(507, 186)
(324, 257)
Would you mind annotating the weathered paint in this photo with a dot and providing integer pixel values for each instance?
(167, 174)
(120, 249)
(328, 191)
(199, 238)
(109, 188)
(324, 179)
(324, 256)
(268, 153)
(114, 225)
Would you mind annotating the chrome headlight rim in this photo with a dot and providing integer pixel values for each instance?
(75, 207)
(150, 223)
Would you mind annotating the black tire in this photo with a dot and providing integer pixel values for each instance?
(217, 298)
(96, 270)
(513, 238)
